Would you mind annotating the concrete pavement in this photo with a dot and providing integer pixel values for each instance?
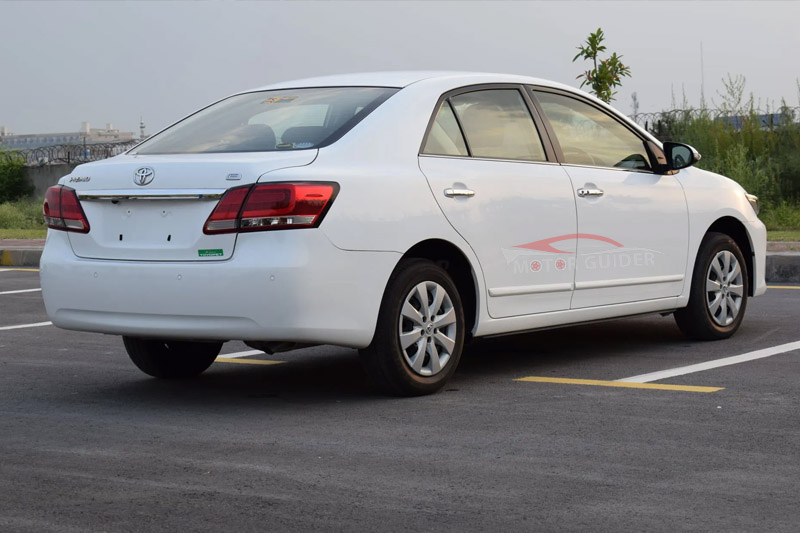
(89, 443)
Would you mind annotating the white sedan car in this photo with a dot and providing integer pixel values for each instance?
(398, 213)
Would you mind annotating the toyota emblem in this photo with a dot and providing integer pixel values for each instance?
(143, 176)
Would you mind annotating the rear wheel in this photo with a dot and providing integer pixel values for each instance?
(420, 331)
(718, 296)
(171, 359)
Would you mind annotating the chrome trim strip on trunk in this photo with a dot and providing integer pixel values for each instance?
(152, 194)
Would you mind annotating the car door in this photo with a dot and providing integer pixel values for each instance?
(632, 222)
(497, 183)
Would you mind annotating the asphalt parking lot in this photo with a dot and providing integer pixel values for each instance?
(89, 443)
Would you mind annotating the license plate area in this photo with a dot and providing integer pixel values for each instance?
(151, 230)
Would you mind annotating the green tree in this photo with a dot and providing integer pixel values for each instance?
(606, 73)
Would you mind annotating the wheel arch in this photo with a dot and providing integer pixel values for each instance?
(733, 228)
(449, 257)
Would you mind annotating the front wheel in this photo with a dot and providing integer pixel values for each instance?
(718, 296)
(420, 331)
(171, 359)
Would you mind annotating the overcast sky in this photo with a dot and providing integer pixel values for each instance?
(66, 62)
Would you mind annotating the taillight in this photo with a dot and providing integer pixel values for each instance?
(62, 210)
(271, 206)
(225, 217)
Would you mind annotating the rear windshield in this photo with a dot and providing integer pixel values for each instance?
(269, 121)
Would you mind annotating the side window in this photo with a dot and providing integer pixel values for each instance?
(497, 124)
(445, 136)
(589, 136)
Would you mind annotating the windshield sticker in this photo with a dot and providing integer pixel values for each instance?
(279, 99)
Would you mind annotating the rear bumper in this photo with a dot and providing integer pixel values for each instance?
(278, 286)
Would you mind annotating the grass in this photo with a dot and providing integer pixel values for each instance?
(781, 217)
(22, 214)
(23, 233)
(786, 236)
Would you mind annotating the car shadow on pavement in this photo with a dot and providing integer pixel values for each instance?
(325, 374)
(598, 342)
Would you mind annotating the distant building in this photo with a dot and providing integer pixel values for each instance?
(86, 135)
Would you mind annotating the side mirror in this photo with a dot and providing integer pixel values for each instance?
(680, 155)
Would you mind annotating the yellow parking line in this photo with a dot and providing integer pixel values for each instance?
(20, 269)
(629, 385)
(247, 361)
(783, 287)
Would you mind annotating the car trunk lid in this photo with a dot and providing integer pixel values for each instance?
(152, 208)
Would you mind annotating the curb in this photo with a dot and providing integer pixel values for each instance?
(782, 267)
(20, 257)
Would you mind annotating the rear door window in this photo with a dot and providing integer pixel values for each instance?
(497, 124)
(445, 136)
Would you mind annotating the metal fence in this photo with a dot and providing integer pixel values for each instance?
(659, 123)
(68, 153)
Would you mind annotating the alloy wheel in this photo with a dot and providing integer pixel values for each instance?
(427, 328)
(724, 288)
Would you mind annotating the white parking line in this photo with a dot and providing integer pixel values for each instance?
(241, 354)
(716, 363)
(20, 291)
(37, 325)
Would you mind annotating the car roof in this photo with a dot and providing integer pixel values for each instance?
(434, 82)
(402, 78)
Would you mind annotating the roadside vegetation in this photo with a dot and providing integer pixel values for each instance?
(20, 215)
(13, 184)
(784, 236)
(22, 219)
(23, 233)
(760, 149)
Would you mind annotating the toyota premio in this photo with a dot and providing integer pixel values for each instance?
(400, 214)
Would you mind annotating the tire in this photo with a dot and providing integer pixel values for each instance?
(718, 296)
(426, 364)
(171, 359)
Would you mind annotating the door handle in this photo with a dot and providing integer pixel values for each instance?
(583, 193)
(452, 193)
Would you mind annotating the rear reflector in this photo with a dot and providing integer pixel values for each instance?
(62, 210)
(271, 206)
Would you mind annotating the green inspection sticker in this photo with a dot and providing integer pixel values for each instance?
(210, 253)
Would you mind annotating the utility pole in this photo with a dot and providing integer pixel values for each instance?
(702, 79)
